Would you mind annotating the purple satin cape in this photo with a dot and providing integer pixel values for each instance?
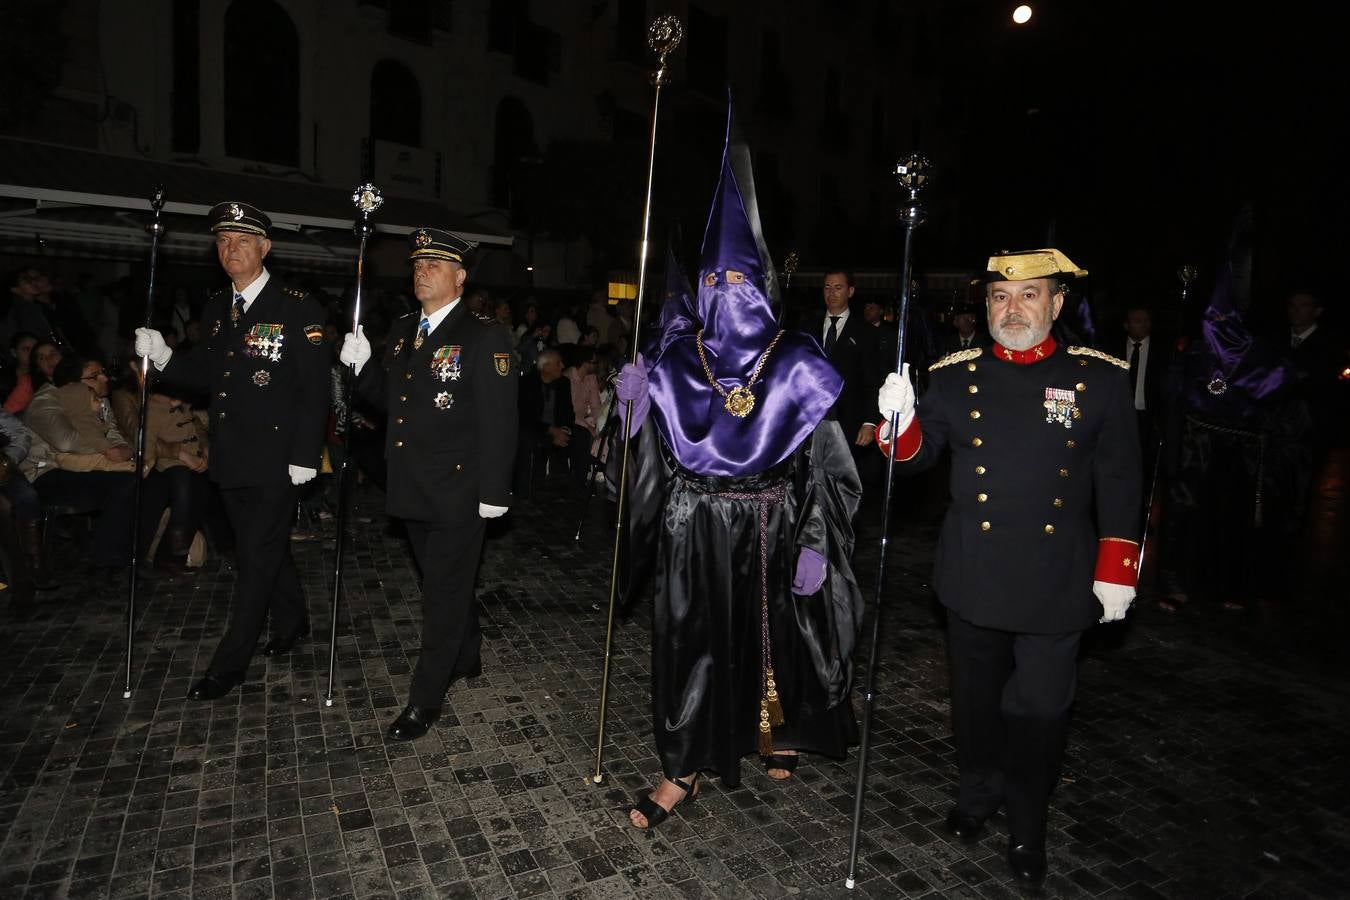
(797, 386)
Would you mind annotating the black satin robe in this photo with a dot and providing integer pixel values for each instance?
(701, 554)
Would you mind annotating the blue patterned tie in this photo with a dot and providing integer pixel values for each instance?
(238, 312)
(423, 329)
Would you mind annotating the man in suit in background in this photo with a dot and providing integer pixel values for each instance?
(854, 349)
(1148, 361)
(966, 321)
(547, 421)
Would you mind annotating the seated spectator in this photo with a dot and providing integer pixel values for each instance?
(79, 458)
(546, 417)
(586, 409)
(15, 381)
(22, 514)
(42, 359)
(176, 459)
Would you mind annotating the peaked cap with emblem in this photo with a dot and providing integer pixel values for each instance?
(436, 243)
(1024, 265)
(235, 216)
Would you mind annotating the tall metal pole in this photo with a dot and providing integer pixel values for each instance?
(1186, 274)
(663, 36)
(156, 231)
(913, 174)
(367, 200)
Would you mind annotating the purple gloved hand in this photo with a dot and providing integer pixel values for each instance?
(810, 572)
(631, 386)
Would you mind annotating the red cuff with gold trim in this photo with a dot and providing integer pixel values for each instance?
(1117, 561)
(908, 444)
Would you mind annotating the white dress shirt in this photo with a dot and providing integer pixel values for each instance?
(254, 288)
(838, 329)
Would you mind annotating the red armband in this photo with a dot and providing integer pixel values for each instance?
(1117, 561)
(908, 444)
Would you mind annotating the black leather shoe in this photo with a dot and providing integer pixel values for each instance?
(279, 646)
(964, 825)
(213, 686)
(1026, 862)
(413, 722)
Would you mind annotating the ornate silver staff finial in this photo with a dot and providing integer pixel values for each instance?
(913, 173)
(367, 198)
(663, 36)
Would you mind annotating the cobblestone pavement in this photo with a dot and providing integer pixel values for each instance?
(1206, 757)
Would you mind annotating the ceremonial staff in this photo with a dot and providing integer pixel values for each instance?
(913, 175)
(790, 263)
(367, 200)
(156, 231)
(1186, 274)
(663, 36)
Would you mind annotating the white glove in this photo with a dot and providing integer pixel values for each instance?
(355, 349)
(488, 511)
(301, 474)
(150, 343)
(1115, 599)
(896, 396)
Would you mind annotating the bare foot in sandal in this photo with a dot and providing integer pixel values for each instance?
(655, 808)
(779, 767)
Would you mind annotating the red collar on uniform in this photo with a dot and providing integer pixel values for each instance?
(1025, 357)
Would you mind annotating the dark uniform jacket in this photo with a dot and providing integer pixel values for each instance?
(267, 379)
(1045, 462)
(452, 416)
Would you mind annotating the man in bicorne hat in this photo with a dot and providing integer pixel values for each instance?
(1040, 541)
(264, 365)
(449, 386)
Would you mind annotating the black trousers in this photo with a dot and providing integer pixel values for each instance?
(1011, 695)
(268, 581)
(447, 555)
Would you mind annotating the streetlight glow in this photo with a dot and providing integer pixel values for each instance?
(1022, 15)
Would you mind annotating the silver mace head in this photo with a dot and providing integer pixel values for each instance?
(664, 35)
(1187, 273)
(913, 173)
(367, 199)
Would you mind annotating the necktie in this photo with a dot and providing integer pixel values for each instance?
(832, 333)
(1134, 367)
(965, 343)
(423, 329)
(237, 312)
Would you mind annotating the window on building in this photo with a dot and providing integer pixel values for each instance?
(395, 104)
(504, 18)
(187, 136)
(262, 83)
(513, 150)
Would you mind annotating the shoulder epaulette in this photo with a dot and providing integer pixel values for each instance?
(485, 319)
(958, 356)
(297, 294)
(408, 315)
(219, 292)
(1097, 354)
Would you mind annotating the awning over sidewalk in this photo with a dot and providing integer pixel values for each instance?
(86, 204)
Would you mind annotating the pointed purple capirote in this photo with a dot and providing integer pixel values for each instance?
(734, 306)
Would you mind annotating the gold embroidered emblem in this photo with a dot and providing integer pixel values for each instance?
(502, 363)
(423, 239)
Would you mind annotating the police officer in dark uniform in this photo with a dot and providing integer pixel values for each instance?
(264, 365)
(450, 390)
(1044, 515)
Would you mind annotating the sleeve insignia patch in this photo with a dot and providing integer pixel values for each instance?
(502, 363)
(314, 333)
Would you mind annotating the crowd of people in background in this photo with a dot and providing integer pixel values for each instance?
(70, 391)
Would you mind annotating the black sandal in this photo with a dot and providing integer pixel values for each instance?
(779, 761)
(654, 813)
